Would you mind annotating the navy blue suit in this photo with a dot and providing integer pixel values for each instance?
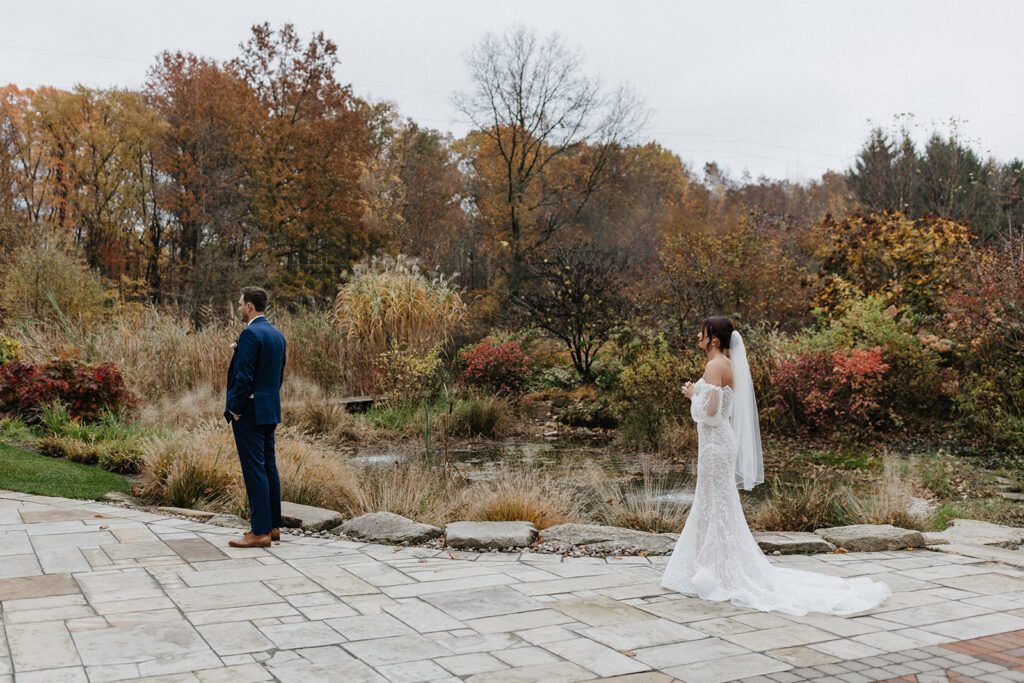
(254, 394)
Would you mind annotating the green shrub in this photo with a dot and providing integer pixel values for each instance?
(913, 382)
(591, 411)
(476, 416)
(988, 407)
(111, 441)
(806, 504)
(120, 457)
(650, 391)
(555, 377)
(10, 349)
(15, 429)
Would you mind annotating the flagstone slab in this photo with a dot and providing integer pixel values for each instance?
(608, 538)
(395, 650)
(136, 640)
(792, 542)
(222, 596)
(168, 600)
(482, 602)
(486, 535)
(59, 515)
(975, 532)
(37, 586)
(195, 549)
(41, 645)
(12, 566)
(871, 537)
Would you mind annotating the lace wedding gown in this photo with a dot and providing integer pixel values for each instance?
(717, 558)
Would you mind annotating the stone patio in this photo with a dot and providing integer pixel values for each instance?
(94, 592)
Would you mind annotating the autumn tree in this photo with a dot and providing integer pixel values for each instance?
(199, 239)
(945, 178)
(578, 295)
(545, 134)
(415, 192)
(736, 267)
(24, 166)
(906, 261)
(303, 195)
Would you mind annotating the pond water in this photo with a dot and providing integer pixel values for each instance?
(572, 458)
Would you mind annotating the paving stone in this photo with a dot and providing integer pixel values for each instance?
(792, 542)
(608, 538)
(484, 535)
(632, 635)
(561, 672)
(727, 669)
(234, 638)
(37, 586)
(480, 603)
(871, 537)
(41, 645)
(313, 609)
(595, 657)
(383, 651)
(305, 634)
(466, 665)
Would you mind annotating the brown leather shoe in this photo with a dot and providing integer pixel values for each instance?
(250, 540)
(275, 535)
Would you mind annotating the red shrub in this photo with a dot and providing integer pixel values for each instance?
(86, 389)
(502, 368)
(821, 390)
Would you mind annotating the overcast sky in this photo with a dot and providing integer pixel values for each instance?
(787, 89)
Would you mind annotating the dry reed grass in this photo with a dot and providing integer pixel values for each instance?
(389, 304)
(200, 469)
(521, 493)
(163, 354)
(417, 489)
(806, 504)
(647, 507)
(886, 500)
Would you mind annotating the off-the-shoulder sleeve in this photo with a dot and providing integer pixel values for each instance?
(706, 405)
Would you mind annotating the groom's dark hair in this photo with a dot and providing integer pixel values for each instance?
(719, 327)
(256, 296)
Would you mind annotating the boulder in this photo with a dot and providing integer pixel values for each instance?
(792, 542)
(974, 532)
(609, 538)
(871, 537)
(488, 535)
(387, 527)
(294, 515)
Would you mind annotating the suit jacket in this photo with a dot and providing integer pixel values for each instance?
(257, 371)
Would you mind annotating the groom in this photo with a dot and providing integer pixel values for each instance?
(254, 410)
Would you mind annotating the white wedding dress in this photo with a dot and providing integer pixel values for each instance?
(717, 558)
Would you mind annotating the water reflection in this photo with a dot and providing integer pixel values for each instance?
(573, 459)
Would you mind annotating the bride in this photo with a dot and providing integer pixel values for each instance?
(716, 557)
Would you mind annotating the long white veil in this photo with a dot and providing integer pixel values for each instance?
(745, 425)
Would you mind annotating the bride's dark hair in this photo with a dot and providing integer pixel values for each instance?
(719, 327)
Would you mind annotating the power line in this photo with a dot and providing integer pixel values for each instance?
(31, 48)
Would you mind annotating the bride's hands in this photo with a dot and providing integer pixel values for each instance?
(688, 390)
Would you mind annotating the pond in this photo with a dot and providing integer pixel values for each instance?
(570, 457)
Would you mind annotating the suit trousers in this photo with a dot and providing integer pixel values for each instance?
(255, 445)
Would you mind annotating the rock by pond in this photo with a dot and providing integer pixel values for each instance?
(387, 527)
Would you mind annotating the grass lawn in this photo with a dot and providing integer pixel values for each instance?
(27, 472)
